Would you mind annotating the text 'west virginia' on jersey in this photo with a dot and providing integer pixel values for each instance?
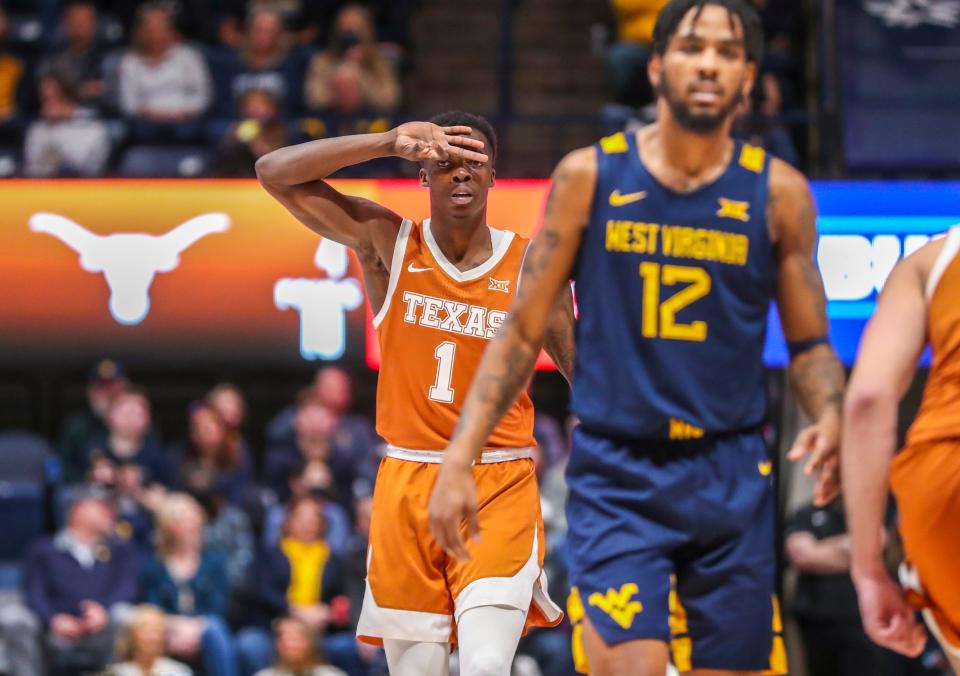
(673, 292)
(435, 323)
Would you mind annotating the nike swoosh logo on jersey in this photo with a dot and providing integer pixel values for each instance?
(618, 200)
(411, 268)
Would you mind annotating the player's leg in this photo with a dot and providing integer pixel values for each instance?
(415, 658)
(627, 510)
(501, 589)
(406, 598)
(644, 657)
(488, 638)
(725, 617)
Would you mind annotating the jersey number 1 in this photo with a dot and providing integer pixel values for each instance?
(441, 390)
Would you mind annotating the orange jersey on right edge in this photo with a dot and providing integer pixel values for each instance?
(434, 325)
(939, 415)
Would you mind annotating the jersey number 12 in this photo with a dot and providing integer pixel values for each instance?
(660, 319)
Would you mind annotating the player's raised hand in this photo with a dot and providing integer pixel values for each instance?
(420, 141)
(887, 618)
(453, 509)
(820, 444)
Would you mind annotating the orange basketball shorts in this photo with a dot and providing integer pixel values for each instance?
(414, 591)
(925, 479)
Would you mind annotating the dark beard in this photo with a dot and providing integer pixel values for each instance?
(696, 123)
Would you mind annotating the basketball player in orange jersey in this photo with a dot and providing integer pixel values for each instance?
(440, 290)
(920, 305)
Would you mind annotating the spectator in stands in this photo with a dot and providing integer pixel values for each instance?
(825, 602)
(208, 21)
(67, 140)
(215, 450)
(228, 528)
(189, 582)
(14, 88)
(758, 120)
(296, 651)
(300, 577)
(315, 439)
(227, 400)
(351, 76)
(164, 84)
(354, 436)
(302, 17)
(81, 59)
(311, 478)
(106, 380)
(259, 131)
(627, 57)
(144, 646)
(79, 584)
(128, 442)
(267, 63)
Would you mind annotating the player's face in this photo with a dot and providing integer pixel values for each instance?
(704, 72)
(458, 188)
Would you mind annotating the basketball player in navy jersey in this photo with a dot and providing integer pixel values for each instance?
(678, 238)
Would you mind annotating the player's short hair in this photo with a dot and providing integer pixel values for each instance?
(455, 118)
(673, 12)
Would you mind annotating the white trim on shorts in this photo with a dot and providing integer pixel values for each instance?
(909, 578)
(488, 457)
(528, 585)
(396, 267)
(400, 625)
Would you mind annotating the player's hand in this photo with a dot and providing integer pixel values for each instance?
(887, 618)
(453, 503)
(820, 444)
(419, 141)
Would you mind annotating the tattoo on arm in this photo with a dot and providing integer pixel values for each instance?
(817, 378)
(559, 341)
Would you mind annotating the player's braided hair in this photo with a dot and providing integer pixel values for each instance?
(673, 12)
(454, 118)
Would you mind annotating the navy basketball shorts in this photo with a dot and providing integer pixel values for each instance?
(674, 541)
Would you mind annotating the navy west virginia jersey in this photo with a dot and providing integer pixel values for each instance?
(673, 292)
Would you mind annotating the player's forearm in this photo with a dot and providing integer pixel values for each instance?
(559, 341)
(830, 556)
(869, 441)
(817, 378)
(504, 371)
(315, 160)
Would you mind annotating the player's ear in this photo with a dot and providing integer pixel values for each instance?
(423, 177)
(655, 70)
(493, 177)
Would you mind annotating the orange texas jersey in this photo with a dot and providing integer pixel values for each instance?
(433, 327)
(939, 415)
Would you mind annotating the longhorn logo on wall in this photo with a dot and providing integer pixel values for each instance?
(915, 13)
(129, 261)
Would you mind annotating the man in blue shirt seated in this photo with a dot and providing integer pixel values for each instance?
(76, 586)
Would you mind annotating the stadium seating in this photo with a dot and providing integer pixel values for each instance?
(24, 461)
(165, 162)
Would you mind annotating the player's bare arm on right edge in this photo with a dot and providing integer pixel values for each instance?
(509, 359)
(885, 366)
(296, 175)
